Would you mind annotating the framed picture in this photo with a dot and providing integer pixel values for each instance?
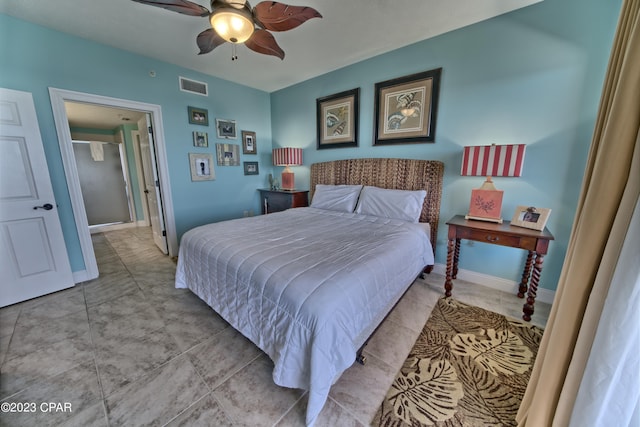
(337, 119)
(406, 107)
(202, 167)
(228, 154)
(226, 129)
(251, 168)
(200, 139)
(249, 142)
(198, 116)
(531, 217)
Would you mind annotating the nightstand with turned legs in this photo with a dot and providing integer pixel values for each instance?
(505, 234)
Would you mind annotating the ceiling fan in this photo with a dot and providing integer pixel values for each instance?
(234, 21)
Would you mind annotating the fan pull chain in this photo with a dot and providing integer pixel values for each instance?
(233, 52)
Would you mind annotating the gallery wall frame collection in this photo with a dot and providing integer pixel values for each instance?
(201, 164)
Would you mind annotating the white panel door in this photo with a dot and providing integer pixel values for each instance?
(152, 185)
(33, 255)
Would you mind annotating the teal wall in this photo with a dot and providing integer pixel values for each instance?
(533, 76)
(33, 58)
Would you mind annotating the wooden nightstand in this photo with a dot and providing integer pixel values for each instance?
(536, 242)
(280, 200)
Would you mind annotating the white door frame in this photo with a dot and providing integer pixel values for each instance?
(135, 135)
(58, 98)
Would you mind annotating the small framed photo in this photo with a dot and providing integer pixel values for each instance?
(228, 154)
(202, 167)
(531, 217)
(251, 168)
(337, 119)
(406, 108)
(249, 142)
(200, 139)
(226, 129)
(198, 116)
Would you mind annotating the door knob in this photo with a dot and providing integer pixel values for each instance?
(46, 207)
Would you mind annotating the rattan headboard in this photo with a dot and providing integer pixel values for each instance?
(401, 174)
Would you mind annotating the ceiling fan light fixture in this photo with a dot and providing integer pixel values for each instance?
(233, 25)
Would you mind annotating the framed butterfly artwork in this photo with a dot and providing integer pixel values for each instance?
(406, 107)
(337, 117)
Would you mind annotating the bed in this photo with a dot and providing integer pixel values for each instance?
(309, 285)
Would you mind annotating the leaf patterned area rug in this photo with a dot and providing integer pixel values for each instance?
(469, 367)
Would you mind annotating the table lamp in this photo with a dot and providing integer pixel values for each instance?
(287, 156)
(490, 160)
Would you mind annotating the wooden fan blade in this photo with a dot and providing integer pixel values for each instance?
(208, 40)
(181, 6)
(275, 16)
(262, 41)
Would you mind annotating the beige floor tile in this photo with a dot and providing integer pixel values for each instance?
(222, 356)
(206, 412)
(332, 415)
(72, 392)
(158, 397)
(251, 398)
(360, 389)
(124, 359)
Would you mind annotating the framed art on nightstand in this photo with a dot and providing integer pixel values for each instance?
(531, 217)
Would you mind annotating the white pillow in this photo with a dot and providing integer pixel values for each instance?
(404, 205)
(342, 198)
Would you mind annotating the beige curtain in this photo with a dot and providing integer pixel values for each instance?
(609, 194)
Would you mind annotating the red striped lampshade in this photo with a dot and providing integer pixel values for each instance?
(493, 160)
(287, 156)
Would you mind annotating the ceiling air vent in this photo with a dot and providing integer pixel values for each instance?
(193, 86)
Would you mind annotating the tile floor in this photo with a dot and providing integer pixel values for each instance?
(128, 349)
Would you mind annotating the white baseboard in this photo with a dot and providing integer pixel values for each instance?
(543, 295)
(111, 227)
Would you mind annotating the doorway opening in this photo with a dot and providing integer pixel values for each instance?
(135, 189)
(103, 142)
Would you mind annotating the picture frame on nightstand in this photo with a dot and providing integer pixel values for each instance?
(531, 217)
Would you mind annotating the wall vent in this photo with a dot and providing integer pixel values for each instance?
(193, 86)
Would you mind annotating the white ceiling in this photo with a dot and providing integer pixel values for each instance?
(350, 31)
(82, 115)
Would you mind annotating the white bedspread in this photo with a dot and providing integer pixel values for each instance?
(307, 286)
